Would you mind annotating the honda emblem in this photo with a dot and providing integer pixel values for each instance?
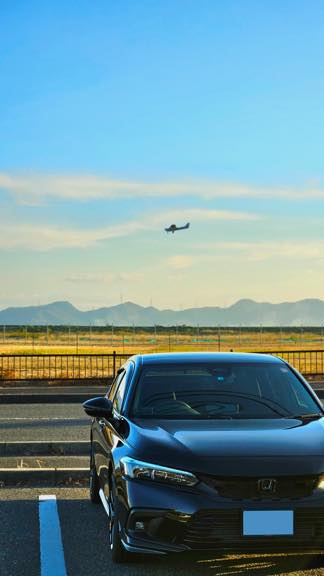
(267, 485)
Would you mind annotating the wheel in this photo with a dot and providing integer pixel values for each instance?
(118, 552)
(94, 485)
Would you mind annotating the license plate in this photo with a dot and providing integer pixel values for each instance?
(268, 523)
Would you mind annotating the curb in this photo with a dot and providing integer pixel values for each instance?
(44, 448)
(44, 398)
(81, 382)
(43, 476)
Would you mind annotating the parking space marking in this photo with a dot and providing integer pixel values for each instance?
(51, 547)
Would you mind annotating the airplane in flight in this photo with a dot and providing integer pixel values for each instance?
(173, 228)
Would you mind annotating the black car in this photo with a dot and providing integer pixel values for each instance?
(208, 452)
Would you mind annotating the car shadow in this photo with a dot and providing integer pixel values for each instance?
(85, 537)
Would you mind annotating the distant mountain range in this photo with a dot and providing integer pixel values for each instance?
(309, 312)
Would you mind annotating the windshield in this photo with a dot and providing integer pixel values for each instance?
(258, 390)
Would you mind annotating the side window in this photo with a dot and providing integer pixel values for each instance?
(122, 388)
(119, 396)
(115, 385)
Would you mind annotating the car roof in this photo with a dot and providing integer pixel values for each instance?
(204, 357)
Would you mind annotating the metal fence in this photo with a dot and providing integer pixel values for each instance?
(102, 366)
(309, 362)
(60, 366)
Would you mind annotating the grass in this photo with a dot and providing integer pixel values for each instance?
(36, 341)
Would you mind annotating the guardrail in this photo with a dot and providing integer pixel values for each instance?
(60, 366)
(102, 366)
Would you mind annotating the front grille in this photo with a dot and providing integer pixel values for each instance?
(223, 528)
(241, 488)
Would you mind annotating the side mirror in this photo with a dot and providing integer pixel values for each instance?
(99, 407)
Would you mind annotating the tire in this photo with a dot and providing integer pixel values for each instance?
(94, 485)
(118, 553)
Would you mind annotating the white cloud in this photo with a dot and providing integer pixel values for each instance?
(259, 251)
(84, 277)
(46, 237)
(105, 278)
(179, 262)
(36, 187)
(201, 215)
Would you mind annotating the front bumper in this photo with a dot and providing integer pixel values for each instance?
(162, 519)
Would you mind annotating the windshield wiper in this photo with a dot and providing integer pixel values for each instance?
(304, 417)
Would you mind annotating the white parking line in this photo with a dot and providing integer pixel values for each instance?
(51, 547)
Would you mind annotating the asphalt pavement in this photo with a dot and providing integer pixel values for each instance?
(84, 536)
(43, 422)
(49, 393)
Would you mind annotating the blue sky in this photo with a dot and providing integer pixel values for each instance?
(119, 117)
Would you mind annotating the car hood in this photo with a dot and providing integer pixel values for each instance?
(240, 447)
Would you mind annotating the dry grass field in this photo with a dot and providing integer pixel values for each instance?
(160, 339)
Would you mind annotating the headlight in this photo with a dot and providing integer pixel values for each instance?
(145, 471)
(321, 482)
